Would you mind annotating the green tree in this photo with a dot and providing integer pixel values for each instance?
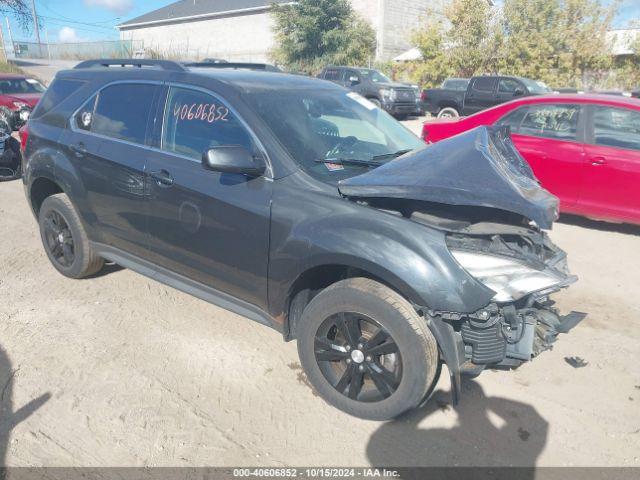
(460, 42)
(561, 42)
(313, 33)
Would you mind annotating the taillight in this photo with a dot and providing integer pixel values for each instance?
(423, 96)
(24, 138)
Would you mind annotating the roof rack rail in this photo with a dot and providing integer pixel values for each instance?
(234, 66)
(132, 62)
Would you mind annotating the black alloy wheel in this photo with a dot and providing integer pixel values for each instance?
(358, 357)
(59, 239)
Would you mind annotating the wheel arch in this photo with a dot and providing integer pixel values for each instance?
(42, 188)
(320, 275)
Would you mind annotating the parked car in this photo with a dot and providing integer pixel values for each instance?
(584, 148)
(636, 93)
(480, 93)
(274, 196)
(398, 99)
(17, 91)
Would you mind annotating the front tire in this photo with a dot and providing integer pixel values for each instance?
(366, 351)
(65, 240)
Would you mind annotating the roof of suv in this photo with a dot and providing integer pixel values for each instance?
(246, 80)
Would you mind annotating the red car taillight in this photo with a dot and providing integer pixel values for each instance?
(24, 138)
(423, 96)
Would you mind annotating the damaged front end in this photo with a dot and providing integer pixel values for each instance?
(484, 197)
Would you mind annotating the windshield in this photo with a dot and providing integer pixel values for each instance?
(333, 134)
(458, 84)
(535, 87)
(20, 85)
(375, 76)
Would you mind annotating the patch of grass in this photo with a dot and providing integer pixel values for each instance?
(9, 68)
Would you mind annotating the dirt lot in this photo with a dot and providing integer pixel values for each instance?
(120, 370)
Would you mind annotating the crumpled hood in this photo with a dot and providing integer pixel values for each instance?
(31, 99)
(480, 168)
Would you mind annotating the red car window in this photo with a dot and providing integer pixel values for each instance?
(616, 127)
(558, 121)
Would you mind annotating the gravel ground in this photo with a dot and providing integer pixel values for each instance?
(119, 370)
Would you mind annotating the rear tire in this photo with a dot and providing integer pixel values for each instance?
(366, 351)
(448, 112)
(65, 240)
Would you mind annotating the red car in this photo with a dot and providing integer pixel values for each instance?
(17, 91)
(585, 149)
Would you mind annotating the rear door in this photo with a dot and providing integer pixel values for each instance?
(108, 144)
(550, 137)
(612, 171)
(207, 226)
(481, 94)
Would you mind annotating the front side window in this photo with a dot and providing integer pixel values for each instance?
(616, 127)
(195, 122)
(122, 111)
(513, 119)
(375, 76)
(508, 85)
(332, 134)
(551, 121)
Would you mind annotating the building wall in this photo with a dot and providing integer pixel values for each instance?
(250, 38)
(400, 18)
(244, 38)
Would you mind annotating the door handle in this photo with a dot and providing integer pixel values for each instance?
(79, 149)
(598, 161)
(162, 178)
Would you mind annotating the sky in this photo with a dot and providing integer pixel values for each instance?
(94, 20)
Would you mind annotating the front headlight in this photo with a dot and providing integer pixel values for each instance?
(510, 279)
(388, 94)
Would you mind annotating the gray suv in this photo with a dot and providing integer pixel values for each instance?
(398, 99)
(297, 204)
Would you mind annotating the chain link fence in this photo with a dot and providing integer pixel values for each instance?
(78, 51)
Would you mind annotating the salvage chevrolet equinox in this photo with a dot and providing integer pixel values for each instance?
(303, 206)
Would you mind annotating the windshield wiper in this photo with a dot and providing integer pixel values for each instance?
(397, 154)
(349, 161)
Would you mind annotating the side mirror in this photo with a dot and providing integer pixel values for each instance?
(517, 92)
(354, 80)
(233, 159)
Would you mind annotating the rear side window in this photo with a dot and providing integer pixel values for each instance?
(59, 90)
(333, 74)
(484, 84)
(616, 127)
(122, 111)
(551, 121)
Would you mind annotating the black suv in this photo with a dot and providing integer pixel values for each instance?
(396, 98)
(281, 198)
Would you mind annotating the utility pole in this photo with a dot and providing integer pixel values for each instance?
(13, 48)
(35, 20)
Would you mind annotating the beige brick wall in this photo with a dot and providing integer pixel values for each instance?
(246, 38)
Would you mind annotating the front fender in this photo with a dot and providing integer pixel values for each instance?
(315, 228)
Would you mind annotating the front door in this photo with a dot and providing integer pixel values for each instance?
(107, 144)
(207, 226)
(612, 170)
